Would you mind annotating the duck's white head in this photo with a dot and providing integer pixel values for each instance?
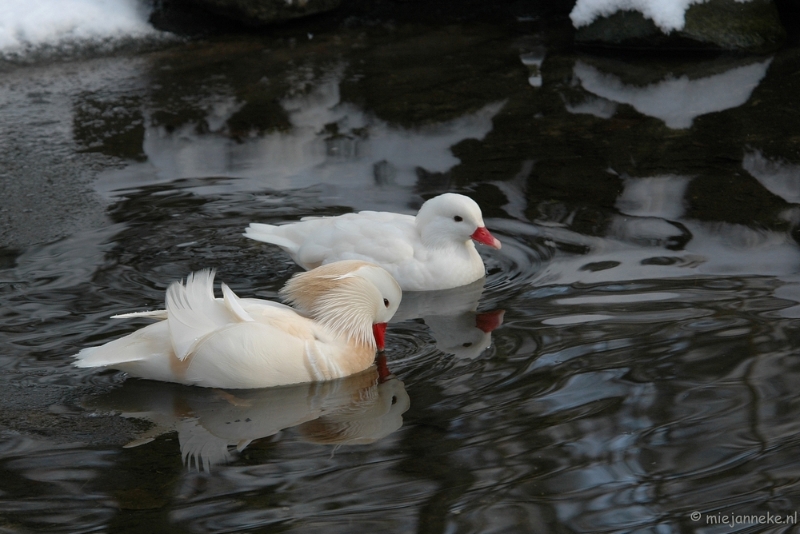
(354, 298)
(452, 218)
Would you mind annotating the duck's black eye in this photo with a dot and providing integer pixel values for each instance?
(386, 302)
(467, 345)
(458, 218)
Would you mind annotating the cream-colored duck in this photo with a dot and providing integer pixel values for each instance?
(337, 323)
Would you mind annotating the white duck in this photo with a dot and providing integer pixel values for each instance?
(431, 251)
(340, 319)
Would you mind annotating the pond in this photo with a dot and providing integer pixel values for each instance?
(628, 363)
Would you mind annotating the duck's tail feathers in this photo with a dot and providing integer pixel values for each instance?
(159, 315)
(106, 355)
(192, 313)
(268, 233)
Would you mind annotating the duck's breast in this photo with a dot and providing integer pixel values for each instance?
(440, 268)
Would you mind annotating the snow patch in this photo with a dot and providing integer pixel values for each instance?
(668, 15)
(29, 25)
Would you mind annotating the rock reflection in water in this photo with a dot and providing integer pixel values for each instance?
(651, 238)
(779, 177)
(327, 141)
(675, 100)
(359, 409)
(782, 179)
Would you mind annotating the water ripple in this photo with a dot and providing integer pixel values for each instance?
(608, 403)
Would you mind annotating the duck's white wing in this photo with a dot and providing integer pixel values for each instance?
(245, 303)
(251, 354)
(384, 238)
(193, 312)
(247, 343)
(376, 236)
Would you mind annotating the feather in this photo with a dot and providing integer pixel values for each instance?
(268, 233)
(193, 312)
(335, 297)
(233, 303)
(154, 314)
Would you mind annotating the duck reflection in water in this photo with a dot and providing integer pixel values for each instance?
(452, 317)
(211, 423)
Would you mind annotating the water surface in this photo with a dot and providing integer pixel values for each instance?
(629, 358)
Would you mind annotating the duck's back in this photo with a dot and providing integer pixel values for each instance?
(387, 239)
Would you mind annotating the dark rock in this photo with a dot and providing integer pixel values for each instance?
(752, 26)
(789, 11)
(261, 12)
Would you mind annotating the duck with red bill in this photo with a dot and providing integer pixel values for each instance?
(431, 251)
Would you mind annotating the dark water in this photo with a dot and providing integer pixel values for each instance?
(649, 283)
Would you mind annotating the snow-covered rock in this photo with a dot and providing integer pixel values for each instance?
(748, 25)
